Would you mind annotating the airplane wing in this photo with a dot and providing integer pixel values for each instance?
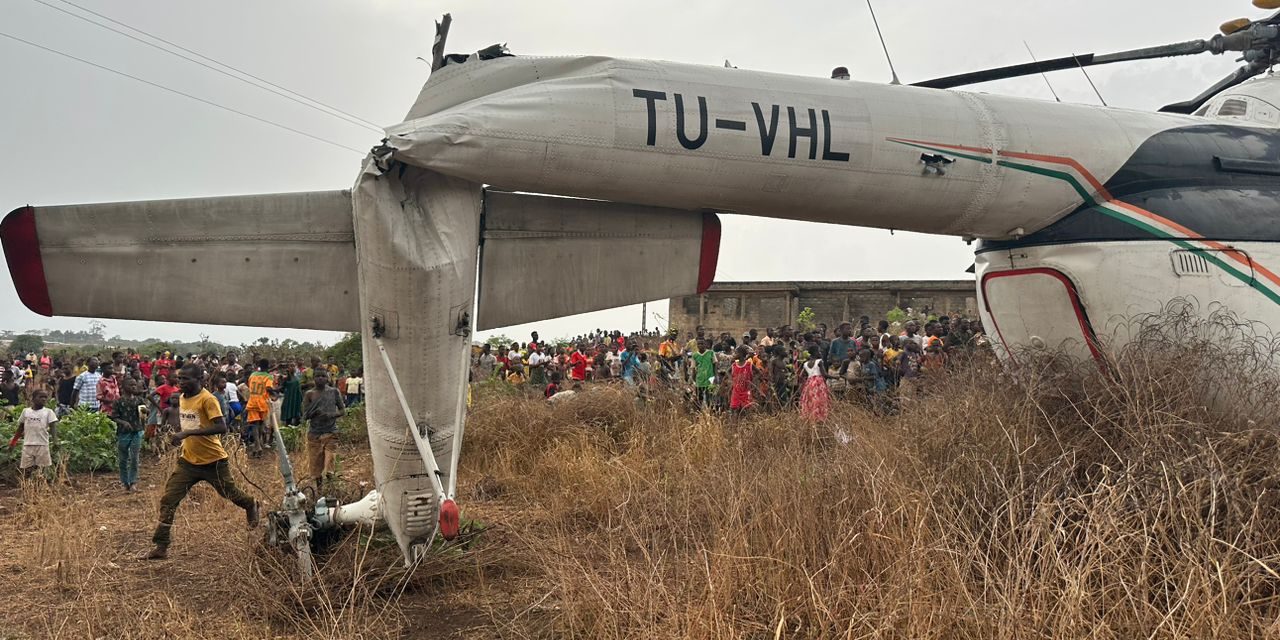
(544, 257)
(288, 260)
(282, 260)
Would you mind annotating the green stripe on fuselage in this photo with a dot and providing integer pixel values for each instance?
(1092, 203)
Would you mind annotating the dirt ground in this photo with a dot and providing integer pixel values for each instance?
(71, 561)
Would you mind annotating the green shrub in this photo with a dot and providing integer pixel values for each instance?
(352, 428)
(805, 321)
(87, 440)
(292, 437)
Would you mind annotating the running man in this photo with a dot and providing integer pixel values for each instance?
(203, 459)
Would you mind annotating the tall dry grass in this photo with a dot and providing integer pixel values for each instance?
(73, 561)
(1046, 501)
(1050, 500)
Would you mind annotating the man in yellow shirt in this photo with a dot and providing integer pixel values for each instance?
(203, 459)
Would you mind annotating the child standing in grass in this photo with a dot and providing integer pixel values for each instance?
(815, 398)
(36, 426)
(128, 414)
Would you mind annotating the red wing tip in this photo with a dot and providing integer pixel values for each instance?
(22, 253)
(450, 520)
(710, 251)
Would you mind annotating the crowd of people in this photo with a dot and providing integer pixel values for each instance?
(140, 393)
(773, 369)
(191, 402)
(187, 402)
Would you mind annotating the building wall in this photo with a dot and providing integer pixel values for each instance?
(738, 306)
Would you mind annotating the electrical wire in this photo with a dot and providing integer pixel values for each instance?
(181, 93)
(271, 87)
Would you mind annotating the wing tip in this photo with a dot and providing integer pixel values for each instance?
(710, 251)
(22, 252)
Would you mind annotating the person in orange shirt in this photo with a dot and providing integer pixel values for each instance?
(261, 382)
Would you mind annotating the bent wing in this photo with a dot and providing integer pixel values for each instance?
(281, 260)
(545, 257)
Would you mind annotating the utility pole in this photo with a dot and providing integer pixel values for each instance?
(644, 314)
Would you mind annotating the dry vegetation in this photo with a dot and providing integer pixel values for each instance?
(1040, 503)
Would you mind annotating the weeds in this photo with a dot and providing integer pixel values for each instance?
(1050, 501)
(1047, 501)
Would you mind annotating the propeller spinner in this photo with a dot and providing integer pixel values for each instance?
(1258, 41)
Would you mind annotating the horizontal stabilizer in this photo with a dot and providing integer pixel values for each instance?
(283, 260)
(545, 257)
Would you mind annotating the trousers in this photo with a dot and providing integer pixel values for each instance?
(320, 449)
(186, 475)
(128, 448)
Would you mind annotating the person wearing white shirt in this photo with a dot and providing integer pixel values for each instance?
(538, 362)
(34, 427)
(354, 385)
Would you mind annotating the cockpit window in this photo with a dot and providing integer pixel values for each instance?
(1233, 108)
(1202, 111)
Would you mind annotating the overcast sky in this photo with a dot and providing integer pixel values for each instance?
(70, 133)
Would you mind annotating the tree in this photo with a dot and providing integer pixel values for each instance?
(347, 352)
(499, 341)
(804, 322)
(25, 344)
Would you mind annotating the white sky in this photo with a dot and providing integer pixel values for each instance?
(72, 134)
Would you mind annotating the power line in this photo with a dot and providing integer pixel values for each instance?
(271, 86)
(183, 94)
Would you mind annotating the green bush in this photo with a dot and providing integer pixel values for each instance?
(292, 437)
(805, 321)
(87, 440)
(352, 428)
(9, 457)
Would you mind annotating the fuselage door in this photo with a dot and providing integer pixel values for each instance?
(1038, 308)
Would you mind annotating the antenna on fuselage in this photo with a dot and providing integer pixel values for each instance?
(1042, 74)
(882, 44)
(1086, 77)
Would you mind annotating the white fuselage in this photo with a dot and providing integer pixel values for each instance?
(710, 138)
(610, 129)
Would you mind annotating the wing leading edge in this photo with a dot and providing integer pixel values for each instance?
(280, 260)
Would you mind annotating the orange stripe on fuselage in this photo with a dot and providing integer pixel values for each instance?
(1093, 182)
(1106, 195)
(957, 147)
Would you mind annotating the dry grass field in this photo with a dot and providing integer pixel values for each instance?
(1036, 503)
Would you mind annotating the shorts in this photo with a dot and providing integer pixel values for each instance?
(235, 408)
(35, 455)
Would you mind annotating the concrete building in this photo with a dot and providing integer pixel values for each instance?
(738, 306)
